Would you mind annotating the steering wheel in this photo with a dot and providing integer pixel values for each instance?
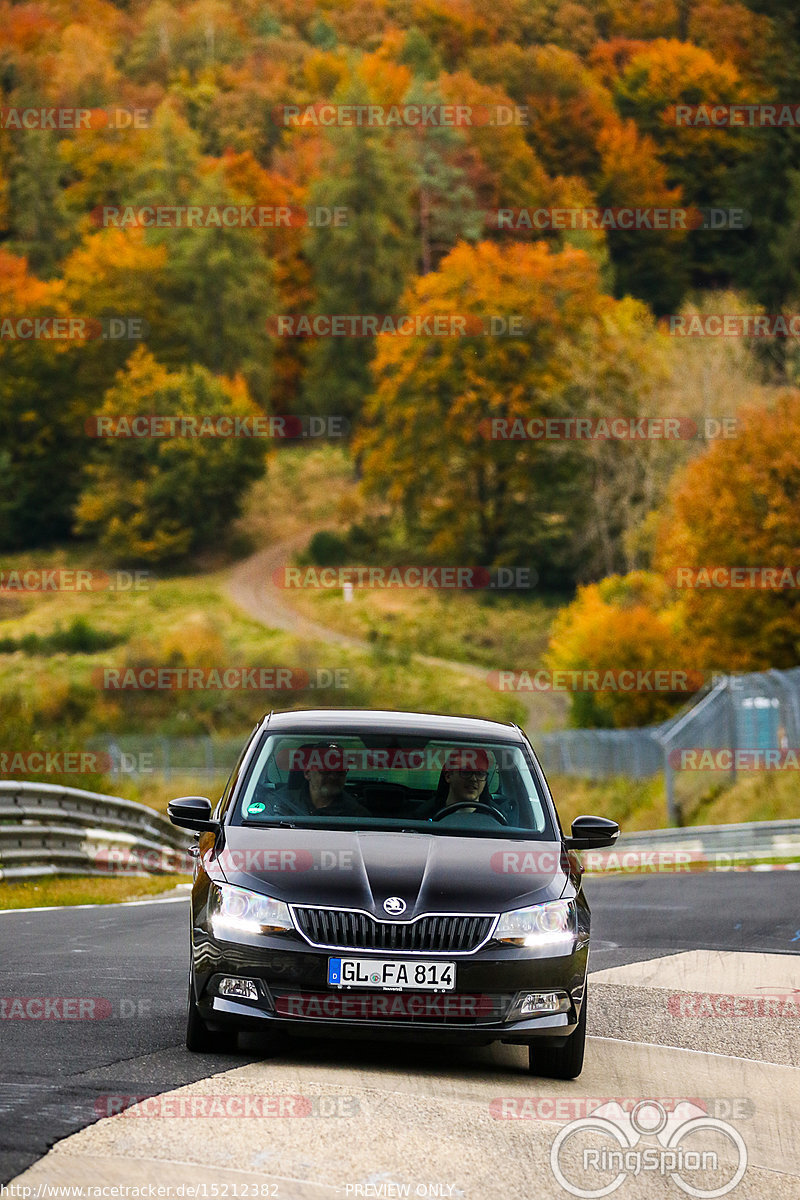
(488, 808)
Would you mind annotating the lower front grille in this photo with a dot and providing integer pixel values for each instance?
(420, 1008)
(342, 929)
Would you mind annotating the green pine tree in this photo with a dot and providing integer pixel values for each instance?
(361, 267)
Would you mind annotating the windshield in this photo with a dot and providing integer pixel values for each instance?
(389, 782)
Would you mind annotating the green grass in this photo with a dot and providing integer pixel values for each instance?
(188, 620)
(485, 629)
(642, 804)
(49, 697)
(80, 889)
(51, 693)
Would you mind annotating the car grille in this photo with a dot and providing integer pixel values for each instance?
(409, 1008)
(359, 931)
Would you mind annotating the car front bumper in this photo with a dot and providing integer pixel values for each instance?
(294, 995)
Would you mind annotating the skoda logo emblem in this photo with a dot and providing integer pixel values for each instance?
(394, 906)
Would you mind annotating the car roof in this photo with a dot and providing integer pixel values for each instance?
(355, 720)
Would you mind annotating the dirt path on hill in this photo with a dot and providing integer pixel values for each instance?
(252, 586)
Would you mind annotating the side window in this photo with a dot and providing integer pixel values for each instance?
(225, 798)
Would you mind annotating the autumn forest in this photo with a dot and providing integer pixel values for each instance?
(284, 128)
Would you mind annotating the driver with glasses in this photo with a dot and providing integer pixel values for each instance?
(465, 774)
(462, 782)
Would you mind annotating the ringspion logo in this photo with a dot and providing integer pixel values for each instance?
(602, 1149)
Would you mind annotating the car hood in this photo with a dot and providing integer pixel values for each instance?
(428, 872)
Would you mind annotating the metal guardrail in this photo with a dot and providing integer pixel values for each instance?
(722, 845)
(46, 829)
(54, 830)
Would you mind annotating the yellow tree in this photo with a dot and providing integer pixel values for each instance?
(628, 623)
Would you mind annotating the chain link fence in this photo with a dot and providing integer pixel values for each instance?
(742, 722)
(139, 756)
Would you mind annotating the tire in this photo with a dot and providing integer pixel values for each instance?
(560, 1062)
(202, 1040)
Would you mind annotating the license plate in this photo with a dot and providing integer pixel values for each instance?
(388, 973)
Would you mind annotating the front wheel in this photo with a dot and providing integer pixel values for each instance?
(199, 1038)
(560, 1062)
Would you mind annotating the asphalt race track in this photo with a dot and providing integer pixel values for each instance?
(132, 960)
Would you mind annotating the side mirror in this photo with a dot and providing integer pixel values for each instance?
(192, 812)
(592, 833)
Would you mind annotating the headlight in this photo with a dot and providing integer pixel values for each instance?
(238, 910)
(549, 925)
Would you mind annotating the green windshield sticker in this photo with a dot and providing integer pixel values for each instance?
(256, 808)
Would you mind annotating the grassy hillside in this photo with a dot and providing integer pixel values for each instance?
(50, 699)
(642, 803)
(54, 699)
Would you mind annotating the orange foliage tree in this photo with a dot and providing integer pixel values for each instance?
(738, 505)
(428, 443)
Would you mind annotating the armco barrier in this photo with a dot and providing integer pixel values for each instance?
(46, 829)
(719, 845)
(53, 830)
